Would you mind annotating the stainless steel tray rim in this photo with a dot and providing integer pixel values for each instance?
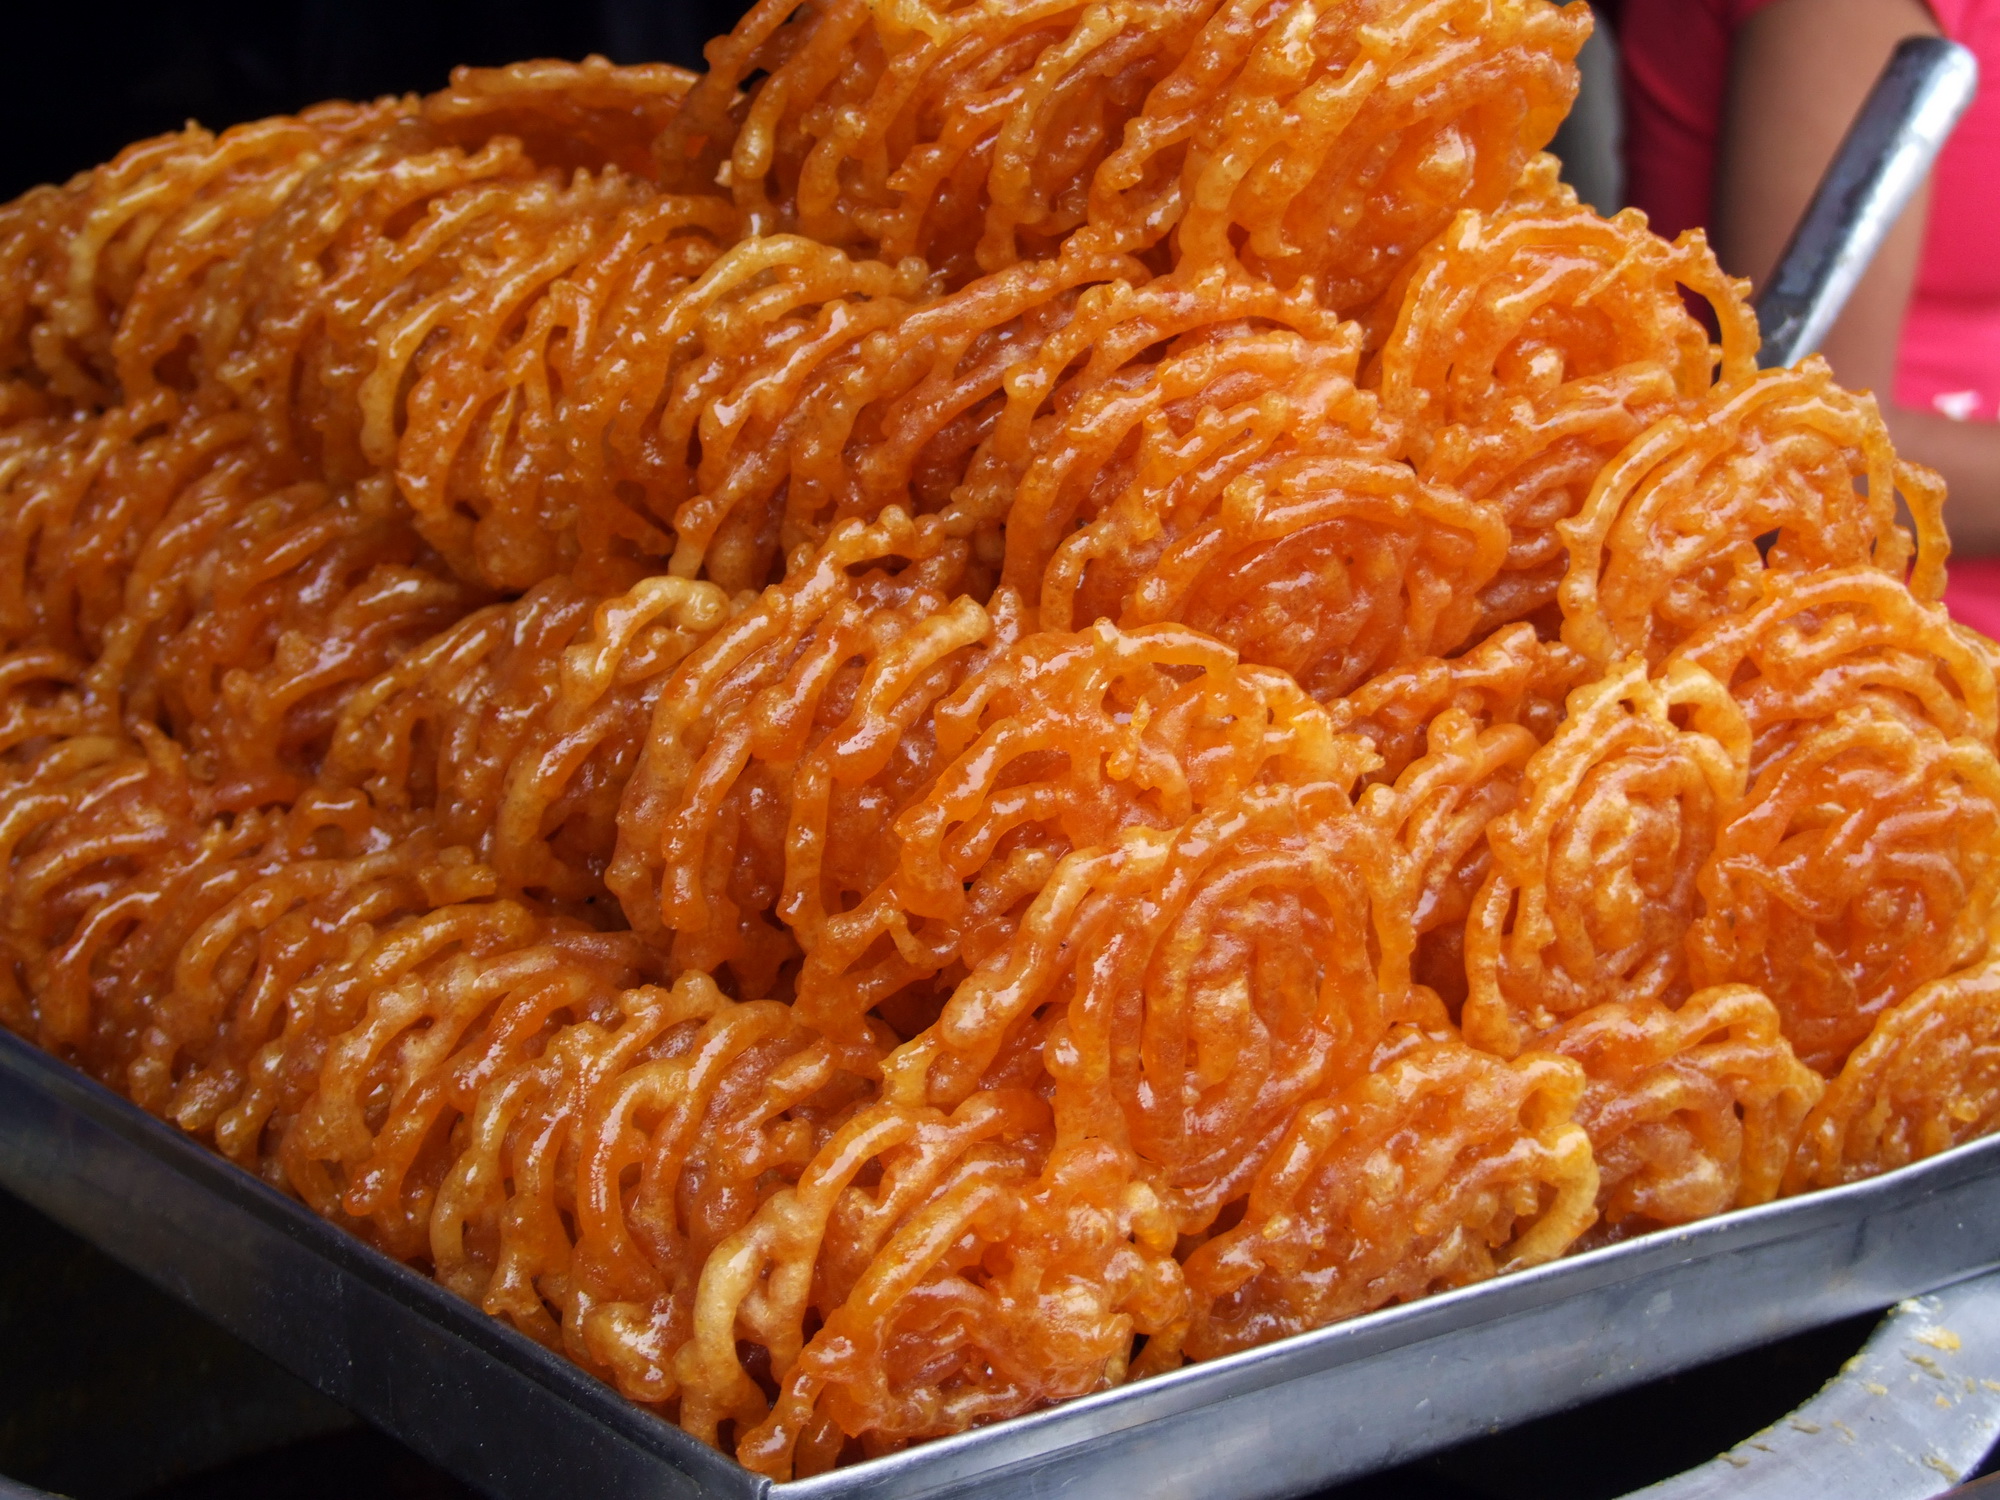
(1403, 1325)
(1022, 1443)
(495, 1338)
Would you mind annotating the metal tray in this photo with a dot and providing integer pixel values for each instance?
(515, 1420)
(1906, 1418)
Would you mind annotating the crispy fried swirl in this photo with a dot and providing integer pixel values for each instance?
(1004, 694)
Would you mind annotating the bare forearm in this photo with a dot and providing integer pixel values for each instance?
(1799, 72)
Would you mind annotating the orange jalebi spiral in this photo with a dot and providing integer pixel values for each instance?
(398, 1036)
(779, 752)
(1528, 346)
(1592, 887)
(1237, 483)
(603, 1168)
(1924, 1081)
(1007, 693)
(1511, 677)
(515, 731)
(1439, 811)
(1689, 1111)
(1865, 857)
(1253, 974)
(1334, 143)
(1061, 743)
(1439, 1167)
(934, 1321)
(1761, 478)
(101, 269)
(1304, 139)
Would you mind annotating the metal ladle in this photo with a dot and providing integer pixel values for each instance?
(1888, 151)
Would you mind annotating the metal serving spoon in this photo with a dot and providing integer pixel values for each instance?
(1888, 150)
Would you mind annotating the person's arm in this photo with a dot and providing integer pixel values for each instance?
(1798, 73)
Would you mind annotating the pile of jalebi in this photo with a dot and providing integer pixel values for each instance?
(1006, 694)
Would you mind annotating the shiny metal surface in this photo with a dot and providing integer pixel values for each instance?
(1881, 163)
(516, 1420)
(476, 1398)
(1905, 1419)
(1409, 1380)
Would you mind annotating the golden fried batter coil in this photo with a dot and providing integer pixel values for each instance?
(405, 1028)
(1437, 1169)
(1299, 149)
(1528, 346)
(1186, 989)
(1833, 900)
(1240, 863)
(767, 782)
(516, 730)
(83, 493)
(1815, 643)
(388, 256)
(468, 401)
(1437, 812)
(1220, 410)
(146, 242)
(910, 1344)
(1690, 1111)
(1925, 1080)
(1062, 449)
(997, 1289)
(1682, 524)
(1238, 483)
(504, 1229)
(298, 599)
(714, 1117)
(235, 267)
(193, 586)
(436, 732)
(1862, 863)
(1059, 743)
(54, 869)
(1226, 1057)
(96, 297)
(1593, 881)
(965, 135)
(903, 386)
(42, 704)
(1331, 570)
(143, 896)
(1534, 302)
(688, 400)
(570, 116)
(104, 292)
(1510, 677)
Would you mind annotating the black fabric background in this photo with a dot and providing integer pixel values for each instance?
(79, 80)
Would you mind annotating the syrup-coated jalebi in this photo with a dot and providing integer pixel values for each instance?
(1007, 693)
(1863, 859)
(1322, 140)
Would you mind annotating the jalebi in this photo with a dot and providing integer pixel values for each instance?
(1005, 694)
